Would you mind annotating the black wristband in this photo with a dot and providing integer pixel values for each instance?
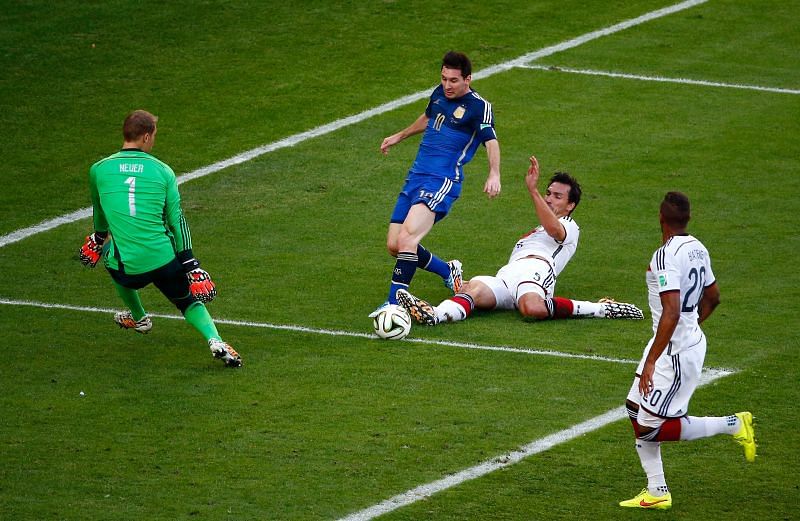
(187, 260)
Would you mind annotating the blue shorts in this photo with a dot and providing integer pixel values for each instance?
(437, 193)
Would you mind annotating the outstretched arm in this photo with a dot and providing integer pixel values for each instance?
(413, 129)
(547, 218)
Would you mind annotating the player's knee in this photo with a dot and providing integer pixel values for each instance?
(645, 433)
(648, 426)
(533, 309)
(391, 247)
(184, 303)
(406, 242)
(632, 409)
(633, 413)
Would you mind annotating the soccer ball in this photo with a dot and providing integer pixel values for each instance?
(392, 323)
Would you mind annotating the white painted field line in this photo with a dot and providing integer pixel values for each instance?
(424, 491)
(290, 141)
(663, 79)
(580, 40)
(333, 332)
(505, 460)
(295, 139)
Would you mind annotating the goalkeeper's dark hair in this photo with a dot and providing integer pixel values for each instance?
(574, 187)
(457, 60)
(137, 124)
(676, 210)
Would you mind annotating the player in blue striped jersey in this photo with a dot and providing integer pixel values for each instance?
(455, 123)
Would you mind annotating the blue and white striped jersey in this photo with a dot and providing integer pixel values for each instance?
(454, 131)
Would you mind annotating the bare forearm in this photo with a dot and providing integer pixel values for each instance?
(493, 154)
(492, 186)
(547, 218)
(666, 327)
(670, 314)
(709, 302)
(415, 128)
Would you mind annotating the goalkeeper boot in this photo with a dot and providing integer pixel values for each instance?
(645, 500)
(456, 279)
(223, 351)
(420, 310)
(124, 319)
(746, 435)
(614, 309)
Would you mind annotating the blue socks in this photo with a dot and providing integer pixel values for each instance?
(403, 272)
(430, 262)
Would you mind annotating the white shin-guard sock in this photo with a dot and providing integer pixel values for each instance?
(582, 308)
(696, 427)
(449, 311)
(650, 457)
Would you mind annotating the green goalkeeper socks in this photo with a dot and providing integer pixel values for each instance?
(131, 299)
(197, 315)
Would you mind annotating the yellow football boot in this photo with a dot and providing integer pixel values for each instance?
(645, 500)
(746, 435)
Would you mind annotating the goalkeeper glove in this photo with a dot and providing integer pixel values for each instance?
(92, 249)
(200, 283)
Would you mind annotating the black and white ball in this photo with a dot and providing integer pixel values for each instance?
(392, 323)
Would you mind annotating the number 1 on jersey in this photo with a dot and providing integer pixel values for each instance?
(131, 182)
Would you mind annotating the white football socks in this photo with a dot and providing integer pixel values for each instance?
(650, 457)
(696, 427)
(582, 308)
(449, 311)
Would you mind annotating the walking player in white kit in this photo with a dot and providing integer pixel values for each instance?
(682, 292)
(528, 280)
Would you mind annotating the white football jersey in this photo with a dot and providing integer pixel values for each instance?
(538, 242)
(682, 263)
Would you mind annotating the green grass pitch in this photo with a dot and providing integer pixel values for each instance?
(318, 426)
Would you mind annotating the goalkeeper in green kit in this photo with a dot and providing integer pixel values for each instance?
(140, 232)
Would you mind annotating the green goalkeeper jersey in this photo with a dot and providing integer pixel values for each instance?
(135, 197)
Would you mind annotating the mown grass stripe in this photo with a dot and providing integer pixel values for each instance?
(505, 460)
(295, 139)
